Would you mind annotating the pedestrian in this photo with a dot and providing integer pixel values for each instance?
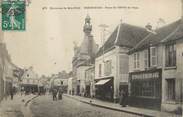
(60, 92)
(12, 92)
(123, 98)
(54, 94)
(22, 90)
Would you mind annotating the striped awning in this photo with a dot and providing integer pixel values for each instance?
(102, 82)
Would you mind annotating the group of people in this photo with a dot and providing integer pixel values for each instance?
(57, 93)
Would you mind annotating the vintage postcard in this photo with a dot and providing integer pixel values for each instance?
(91, 58)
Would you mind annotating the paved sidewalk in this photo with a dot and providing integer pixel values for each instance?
(13, 108)
(117, 107)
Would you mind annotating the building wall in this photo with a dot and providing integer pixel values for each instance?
(111, 55)
(120, 63)
(30, 77)
(81, 77)
(179, 74)
(142, 59)
(167, 73)
(69, 91)
(30, 81)
(60, 82)
(90, 75)
(6, 70)
(1, 79)
(173, 73)
(8, 75)
(65, 81)
(147, 76)
(122, 67)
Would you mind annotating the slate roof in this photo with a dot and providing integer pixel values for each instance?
(170, 32)
(88, 44)
(129, 36)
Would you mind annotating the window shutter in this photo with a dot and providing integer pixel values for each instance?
(153, 57)
(146, 58)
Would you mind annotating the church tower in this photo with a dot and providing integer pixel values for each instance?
(88, 46)
(85, 53)
(87, 28)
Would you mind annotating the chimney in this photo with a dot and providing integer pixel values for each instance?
(148, 27)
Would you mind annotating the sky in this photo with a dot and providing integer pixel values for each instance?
(47, 43)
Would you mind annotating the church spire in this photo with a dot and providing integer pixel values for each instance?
(87, 26)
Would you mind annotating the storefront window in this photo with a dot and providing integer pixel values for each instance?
(146, 85)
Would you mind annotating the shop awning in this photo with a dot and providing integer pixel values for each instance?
(102, 82)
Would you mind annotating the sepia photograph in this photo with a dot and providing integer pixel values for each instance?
(91, 58)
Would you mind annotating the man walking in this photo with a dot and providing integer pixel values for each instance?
(54, 94)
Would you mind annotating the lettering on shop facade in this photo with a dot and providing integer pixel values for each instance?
(145, 75)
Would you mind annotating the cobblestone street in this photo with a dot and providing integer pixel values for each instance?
(44, 107)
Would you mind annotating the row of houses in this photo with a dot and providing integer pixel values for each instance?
(9, 72)
(144, 62)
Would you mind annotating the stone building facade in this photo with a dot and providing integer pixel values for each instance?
(155, 69)
(89, 81)
(111, 63)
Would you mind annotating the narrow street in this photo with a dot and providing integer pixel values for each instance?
(43, 106)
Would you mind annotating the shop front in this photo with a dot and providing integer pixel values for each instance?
(30, 88)
(104, 89)
(145, 89)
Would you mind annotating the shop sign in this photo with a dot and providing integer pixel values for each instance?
(146, 75)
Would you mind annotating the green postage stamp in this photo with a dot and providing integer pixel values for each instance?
(13, 15)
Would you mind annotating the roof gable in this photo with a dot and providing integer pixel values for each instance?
(169, 32)
(128, 36)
